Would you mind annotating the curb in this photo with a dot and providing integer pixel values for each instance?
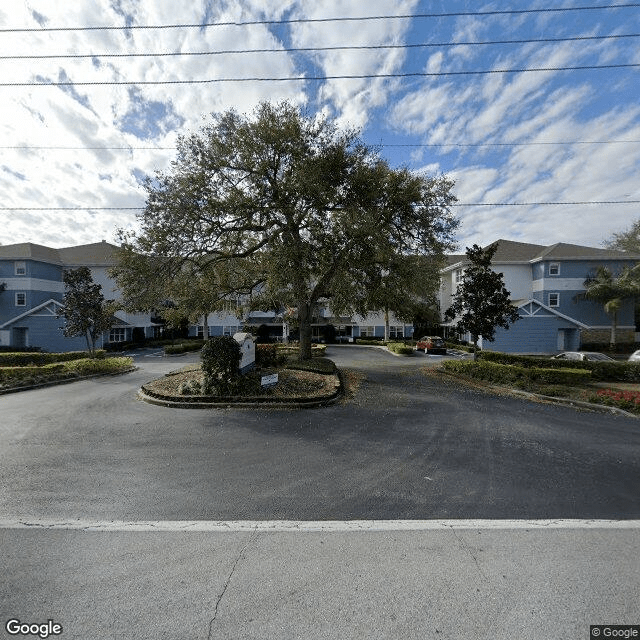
(55, 383)
(601, 408)
(263, 402)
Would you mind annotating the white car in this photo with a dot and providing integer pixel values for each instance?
(583, 355)
(634, 357)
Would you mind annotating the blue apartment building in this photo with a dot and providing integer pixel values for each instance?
(546, 283)
(32, 289)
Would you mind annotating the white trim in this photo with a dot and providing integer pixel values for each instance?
(553, 293)
(552, 311)
(554, 264)
(19, 264)
(20, 293)
(308, 526)
(558, 284)
(31, 312)
(34, 284)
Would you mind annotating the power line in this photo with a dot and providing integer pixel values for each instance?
(383, 144)
(238, 23)
(439, 45)
(416, 74)
(458, 204)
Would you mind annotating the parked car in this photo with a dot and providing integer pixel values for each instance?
(635, 357)
(591, 356)
(431, 344)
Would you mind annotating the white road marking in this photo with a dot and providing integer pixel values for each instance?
(309, 526)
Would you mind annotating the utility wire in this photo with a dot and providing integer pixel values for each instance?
(458, 204)
(416, 74)
(383, 144)
(203, 25)
(439, 45)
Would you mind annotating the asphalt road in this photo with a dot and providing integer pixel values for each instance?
(77, 457)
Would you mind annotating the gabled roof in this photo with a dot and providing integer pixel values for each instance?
(29, 250)
(48, 306)
(102, 253)
(96, 253)
(564, 251)
(510, 252)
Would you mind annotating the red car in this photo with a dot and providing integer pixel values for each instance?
(431, 344)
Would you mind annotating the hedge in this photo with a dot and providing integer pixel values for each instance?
(184, 347)
(35, 358)
(400, 348)
(62, 370)
(509, 373)
(600, 371)
(317, 365)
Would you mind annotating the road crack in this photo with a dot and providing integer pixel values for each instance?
(239, 557)
(469, 551)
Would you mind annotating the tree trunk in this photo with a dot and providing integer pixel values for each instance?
(90, 348)
(614, 326)
(304, 318)
(475, 348)
(386, 324)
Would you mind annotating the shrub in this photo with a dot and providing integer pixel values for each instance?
(513, 374)
(34, 358)
(221, 357)
(316, 365)
(190, 388)
(400, 348)
(183, 347)
(268, 355)
(628, 400)
(602, 371)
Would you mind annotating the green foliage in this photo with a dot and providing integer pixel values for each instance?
(84, 308)
(184, 347)
(481, 302)
(514, 374)
(221, 357)
(35, 374)
(628, 240)
(21, 359)
(400, 348)
(602, 371)
(292, 203)
(316, 365)
(611, 290)
(268, 355)
(190, 388)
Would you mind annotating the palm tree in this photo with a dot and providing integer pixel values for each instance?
(612, 290)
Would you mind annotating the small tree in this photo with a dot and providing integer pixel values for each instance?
(610, 290)
(221, 357)
(481, 301)
(85, 310)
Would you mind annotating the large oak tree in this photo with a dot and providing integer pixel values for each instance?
(284, 204)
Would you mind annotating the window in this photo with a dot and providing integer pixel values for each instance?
(20, 268)
(367, 332)
(230, 330)
(118, 335)
(200, 331)
(457, 276)
(554, 269)
(396, 332)
(554, 299)
(21, 299)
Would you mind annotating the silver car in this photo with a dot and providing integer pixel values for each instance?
(583, 355)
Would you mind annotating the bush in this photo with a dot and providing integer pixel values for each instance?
(513, 374)
(221, 357)
(184, 347)
(36, 358)
(601, 371)
(268, 355)
(316, 365)
(10, 376)
(628, 400)
(400, 348)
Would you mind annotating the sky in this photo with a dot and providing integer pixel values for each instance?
(78, 134)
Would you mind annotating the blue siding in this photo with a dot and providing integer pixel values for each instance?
(533, 334)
